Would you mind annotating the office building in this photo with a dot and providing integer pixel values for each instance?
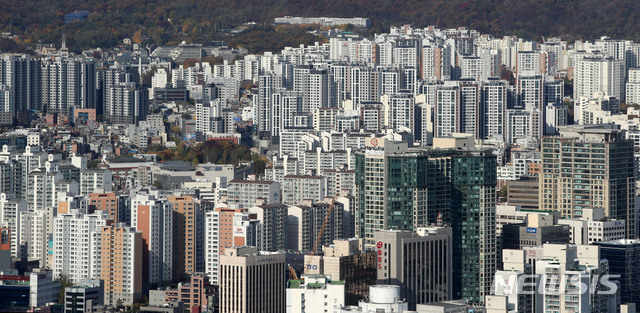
(83, 297)
(459, 185)
(537, 230)
(594, 227)
(511, 214)
(346, 260)
(524, 193)
(473, 208)
(382, 298)
(603, 165)
(383, 190)
(623, 256)
(420, 264)
(21, 293)
(252, 281)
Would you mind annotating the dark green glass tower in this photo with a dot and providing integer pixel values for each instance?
(473, 218)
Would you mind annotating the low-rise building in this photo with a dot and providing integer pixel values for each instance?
(83, 297)
(315, 292)
(594, 226)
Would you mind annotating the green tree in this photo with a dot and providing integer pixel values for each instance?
(93, 163)
(66, 282)
(502, 194)
(259, 164)
(157, 184)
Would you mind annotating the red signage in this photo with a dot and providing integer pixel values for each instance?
(14, 277)
(379, 246)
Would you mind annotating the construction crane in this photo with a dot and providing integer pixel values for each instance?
(321, 232)
(292, 272)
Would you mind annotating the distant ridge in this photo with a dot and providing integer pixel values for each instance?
(165, 21)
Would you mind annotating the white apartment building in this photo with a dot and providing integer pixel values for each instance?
(556, 115)
(399, 111)
(11, 210)
(76, 245)
(285, 105)
(595, 109)
(212, 245)
(518, 125)
(41, 190)
(447, 111)
(244, 193)
(633, 86)
(34, 237)
(598, 74)
(31, 159)
(473, 68)
(297, 188)
(95, 181)
(292, 143)
(493, 96)
(529, 63)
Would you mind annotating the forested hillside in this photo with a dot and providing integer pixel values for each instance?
(165, 21)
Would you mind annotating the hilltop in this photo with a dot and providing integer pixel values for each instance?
(168, 21)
